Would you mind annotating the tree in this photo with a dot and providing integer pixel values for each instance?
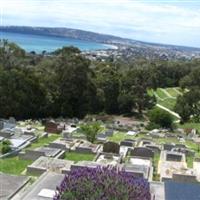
(22, 94)
(183, 109)
(75, 88)
(126, 103)
(161, 118)
(91, 130)
(108, 80)
(188, 105)
(135, 84)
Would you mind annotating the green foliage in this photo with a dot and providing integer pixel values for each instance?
(161, 118)
(6, 142)
(188, 105)
(5, 149)
(67, 84)
(13, 165)
(91, 130)
(79, 156)
(152, 126)
(126, 103)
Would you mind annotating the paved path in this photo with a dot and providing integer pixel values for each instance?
(168, 110)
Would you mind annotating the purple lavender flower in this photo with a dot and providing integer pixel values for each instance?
(102, 184)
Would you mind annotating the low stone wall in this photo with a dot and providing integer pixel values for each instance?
(59, 146)
(35, 171)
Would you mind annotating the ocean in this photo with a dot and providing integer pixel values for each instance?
(39, 43)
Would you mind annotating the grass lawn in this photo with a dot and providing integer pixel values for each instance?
(189, 161)
(155, 160)
(168, 103)
(74, 156)
(161, 94)
(13, 165)
(190, 125)
(172, 92)
(44, 141)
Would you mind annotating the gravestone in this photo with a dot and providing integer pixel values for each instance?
(109, 133)
(127, 143)
(154, 148)
(111, 147)
(184, 178)
(168, 147)
(145, 142)
(52, 127)
(176, 157)
(1, 125)
(12, 120)
(142, 152)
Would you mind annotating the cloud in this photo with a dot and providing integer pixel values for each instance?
(176, 22)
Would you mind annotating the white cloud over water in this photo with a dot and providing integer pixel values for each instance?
(165, 21)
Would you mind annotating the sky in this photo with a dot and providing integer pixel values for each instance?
(160, 21)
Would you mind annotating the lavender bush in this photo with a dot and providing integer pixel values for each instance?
(102, 184)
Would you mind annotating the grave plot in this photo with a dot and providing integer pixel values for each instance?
(89, 164)
(126, 145)
(44, 188)
(64, 144)
(43, 164)
(87, 147)
(140, 167)
(143, 152)
(171, 163)
(111, 147)
(108, 159)
(10, 185)
(41, 151)
(196, 167)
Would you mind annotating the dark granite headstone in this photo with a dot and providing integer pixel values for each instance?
(142, 152)
(111, 147)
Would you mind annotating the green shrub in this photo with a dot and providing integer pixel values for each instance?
(6, 142)
(5, 149)
(161, 118)
(152, 126)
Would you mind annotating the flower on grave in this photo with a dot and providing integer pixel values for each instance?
(102, 184)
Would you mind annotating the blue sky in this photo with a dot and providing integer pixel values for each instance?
(161, 21)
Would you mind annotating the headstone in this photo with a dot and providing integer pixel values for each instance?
(154, 148)
(127, 143)
(111, 147)
(1, 125)
(184, 178)
(168, 147)
(52, 127)
(176, 157)
(12, 120)
(142, 152)
(109, 133)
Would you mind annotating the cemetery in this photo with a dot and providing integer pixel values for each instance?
(47, 151)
